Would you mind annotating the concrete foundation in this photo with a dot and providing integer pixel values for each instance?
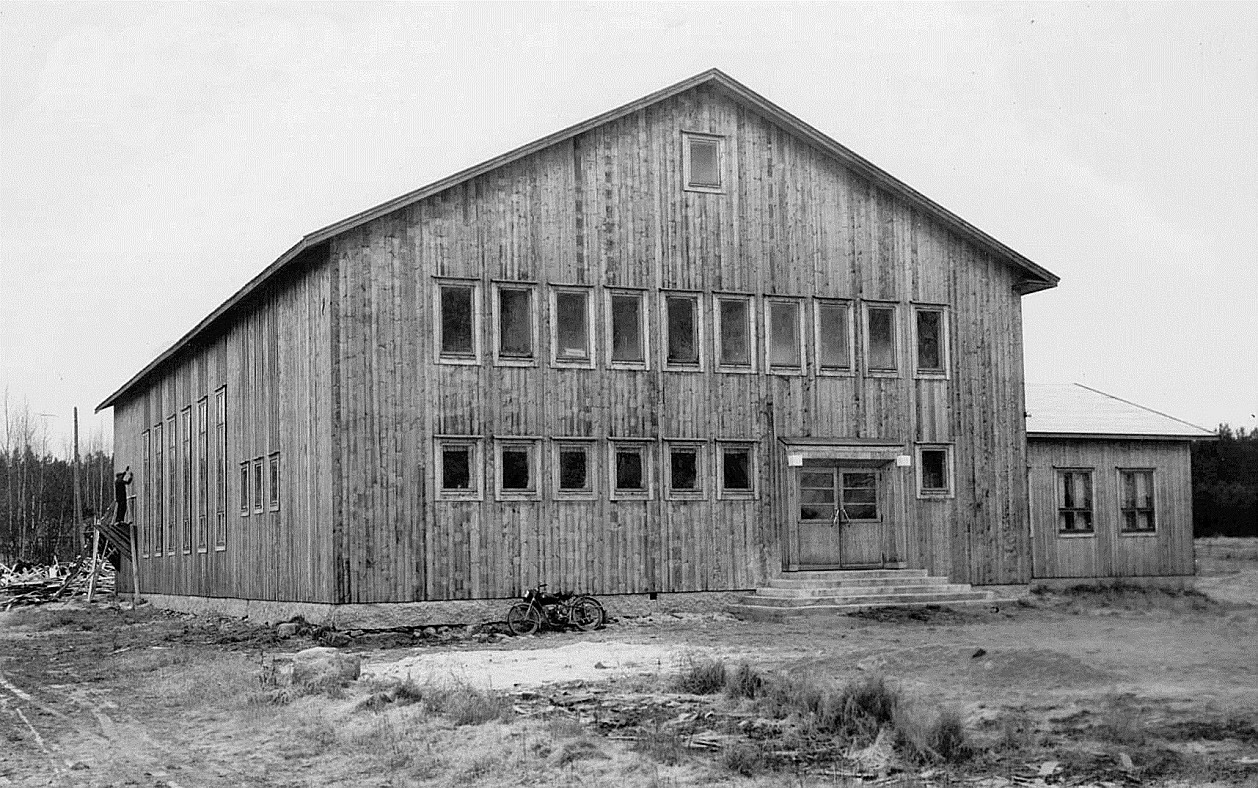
(391, 615)
(1169, 582)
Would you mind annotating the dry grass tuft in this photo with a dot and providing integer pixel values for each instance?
(744, 682)
(745, 758)
(701, 677)
(661, 745)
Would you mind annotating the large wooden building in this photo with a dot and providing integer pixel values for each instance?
(687, 345)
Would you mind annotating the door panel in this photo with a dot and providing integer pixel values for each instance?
(839, 520)
(818, 536)
(860, 518)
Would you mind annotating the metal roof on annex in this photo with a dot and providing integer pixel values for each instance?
(1036, 277)
(1072, 410)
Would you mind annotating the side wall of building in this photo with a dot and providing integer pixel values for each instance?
(1108, 551)
(239, 503)
(607, 209)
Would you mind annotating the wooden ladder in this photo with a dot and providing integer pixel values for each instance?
(120, 536)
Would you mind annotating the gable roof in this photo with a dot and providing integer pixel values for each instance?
(1074, 410)
(1036, 278)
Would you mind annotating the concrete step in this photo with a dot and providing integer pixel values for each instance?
(849, 574)
(857, 582)
(940, 587)
(748, 612)
(874, 600)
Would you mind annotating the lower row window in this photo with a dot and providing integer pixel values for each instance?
(516, 469)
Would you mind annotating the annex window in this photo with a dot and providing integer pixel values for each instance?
(517, 469)
(259, 486)
(273, 482)
(1135, 501)
(458, 468)
(244, 488)
(834, 337)
(146, 531)
(185, 465)
(934, 471)
(630, 468)
(682, 329)
(1074, 501)
(172, 483)
(785, 339)
(737, 474)
(515, 320)
(685, 470)
(626, 329)
(930, 341)
(159, 490)
(220, 465)
(734, 331)
(573, 468)
(880, 340)
(203, 475)
(571, 340)
(458, 310)
(702, 154)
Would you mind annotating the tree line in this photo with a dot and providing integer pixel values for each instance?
(1225, 484)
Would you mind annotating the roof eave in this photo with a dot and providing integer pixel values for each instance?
(1117, 436)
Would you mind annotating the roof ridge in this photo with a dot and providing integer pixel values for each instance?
(1144, 407)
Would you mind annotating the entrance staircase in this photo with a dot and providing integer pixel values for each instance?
(834, 592)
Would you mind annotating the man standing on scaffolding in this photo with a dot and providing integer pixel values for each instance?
(121, 480)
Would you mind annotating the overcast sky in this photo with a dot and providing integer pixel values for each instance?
(155, 157)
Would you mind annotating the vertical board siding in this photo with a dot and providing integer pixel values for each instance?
(273, 360)
(1109, 553)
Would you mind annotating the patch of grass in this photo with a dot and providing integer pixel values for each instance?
(745, 758)
(661, 745)
(1122, 723)
(1017, 733)
(744, 682)
(578, 750)
(565, 728)
(701, 677)
(464, 704)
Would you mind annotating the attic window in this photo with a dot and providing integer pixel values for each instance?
(702, 162)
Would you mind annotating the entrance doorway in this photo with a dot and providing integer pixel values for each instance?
(841, 516)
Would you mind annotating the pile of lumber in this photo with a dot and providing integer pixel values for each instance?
(25, 584)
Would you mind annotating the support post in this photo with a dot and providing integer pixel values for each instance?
(91, 581)
(78, 492)
(135, 566)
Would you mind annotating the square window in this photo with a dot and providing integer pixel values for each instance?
(1135, 501)
(702, 155)
(574, 473)
(626, 329)
(934, 471)
(571, 309)
(457, 306)
(786, 351)
(834, 336)
(681, 320)
(734, 333)
(458, 468)
(930, 331)
(516, 325)
(630, 470)
(517, 469)
(737, 474)
(1074, 502)
(685, 471)
(880, 353)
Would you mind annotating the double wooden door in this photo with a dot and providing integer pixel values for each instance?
(841, 522)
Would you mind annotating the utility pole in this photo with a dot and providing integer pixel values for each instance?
(78, 492)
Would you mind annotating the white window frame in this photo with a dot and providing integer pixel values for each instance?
(949, 471)
(866, 306)
(476, 468)
(246, 493)
(590, 491)
(1057, 507)
(643, 326)
(800, 310)
(702, 461)
(686, 137)
(590, 321)
(648, 469)
(259, 485)
(753, 471)
(273, 481)
(1153, 493)
(531, 443)
(512, 361)
(945, 341)
(753, 339)
(696, 299)
(438, 322)
(850, 312)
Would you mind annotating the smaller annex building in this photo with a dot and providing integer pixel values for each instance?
(1110, 489)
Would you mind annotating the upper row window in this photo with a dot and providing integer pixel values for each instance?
(702, 156)
(681, 320)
